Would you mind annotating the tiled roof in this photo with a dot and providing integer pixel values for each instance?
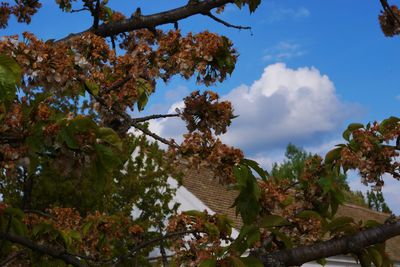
(203, 185)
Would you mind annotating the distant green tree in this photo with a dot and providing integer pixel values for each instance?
(293, 167)
(377, 202)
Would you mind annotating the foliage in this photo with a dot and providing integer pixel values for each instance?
(293, 167)
(71, 170)
(376, 201)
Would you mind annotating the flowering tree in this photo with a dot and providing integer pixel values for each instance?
(71, 172)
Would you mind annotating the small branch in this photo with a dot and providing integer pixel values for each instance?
(117, 85)
(47, 250)
(387, 8)
(162, 250)
(113, 44)
(40, 213)
(227, 24)
(155, 116)
(131, 121)
(11, 258)
(79, 10)
(155, 136)
(96, 15)
(160, 239)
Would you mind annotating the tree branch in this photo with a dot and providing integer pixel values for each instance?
(155, 116)
(387, 8)
(151, 21)
(227, 24)
(160, 239)
(339, 246)
(55, 253)
(117, 84)
(12, 257)
(130, 120)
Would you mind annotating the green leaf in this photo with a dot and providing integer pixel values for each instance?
(86, 227)
(273, 221)
(322, 261)
(14, 212)
(65, 238)
(142, 101)
(75, 235)
(109, 136)
(18, 227)
(333, 155)
(67, 138)
(375, 256)
(351, 128)
(387, 123)
(338, 223)
(307, 214)
(236, 262)
(252, 262)
(107, 158)
(10, 77)
(109, 11)
(93, 87)
(371, 223)
(208, 263)
(194, 213)
(283, 237)
(255, 166)
(212, 229)
(365, 260)
(144, 89)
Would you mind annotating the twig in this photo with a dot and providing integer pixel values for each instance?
(79, 10)
(128, 119)
(38, 212)
(227, 24)
(117, 85)
(11, 258)
(387, 8)
(155, 116)
(161, 238)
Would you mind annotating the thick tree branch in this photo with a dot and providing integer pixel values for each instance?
(53, 252)
(151, 21)
(227, 24)
(339, 246)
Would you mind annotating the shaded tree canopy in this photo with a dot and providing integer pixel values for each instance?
(72, 170)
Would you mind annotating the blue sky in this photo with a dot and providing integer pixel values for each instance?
(306, 69)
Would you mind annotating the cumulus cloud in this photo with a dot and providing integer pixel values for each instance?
(285, 105)
(283, 51)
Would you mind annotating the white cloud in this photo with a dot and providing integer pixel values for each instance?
(284, 105)
(279, 14)
(283, 51)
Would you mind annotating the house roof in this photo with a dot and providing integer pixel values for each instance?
(205, 187)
